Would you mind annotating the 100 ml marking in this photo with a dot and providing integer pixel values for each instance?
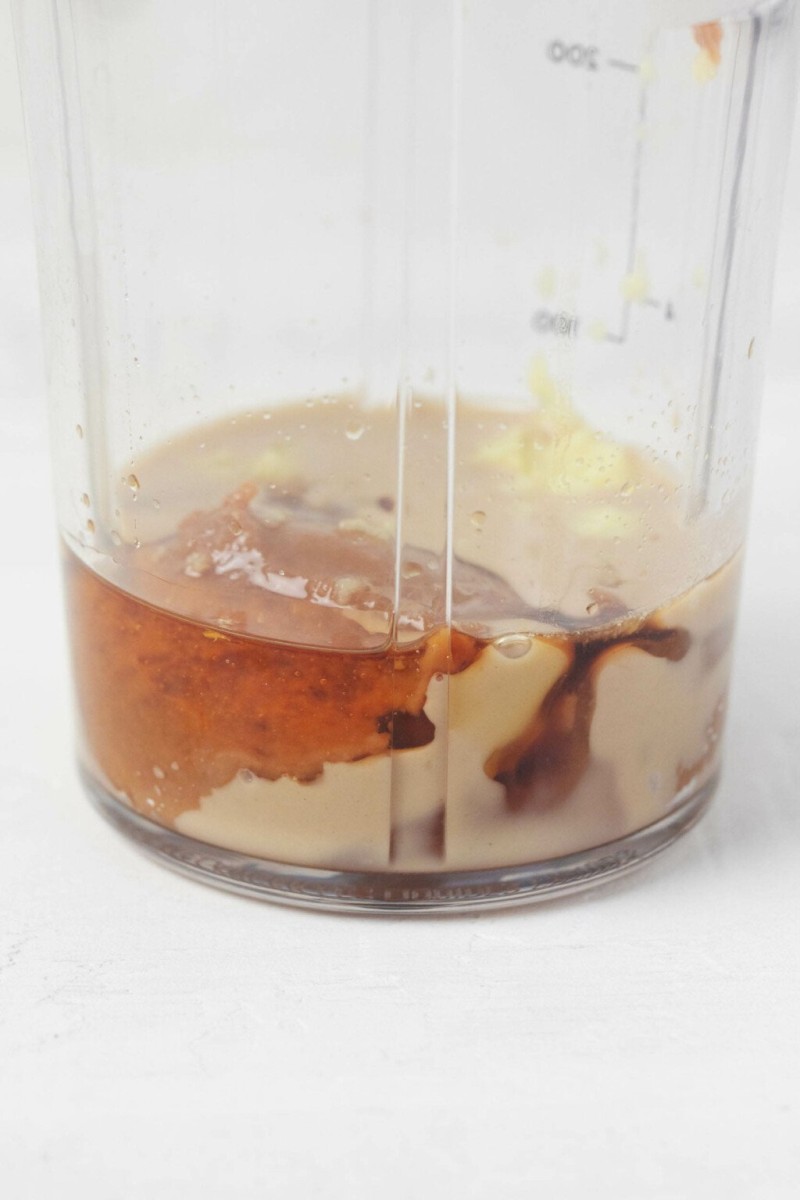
(574, 54)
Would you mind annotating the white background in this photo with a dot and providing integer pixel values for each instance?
(158, 1038)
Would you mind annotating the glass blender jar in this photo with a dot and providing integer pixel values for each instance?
(404, 362)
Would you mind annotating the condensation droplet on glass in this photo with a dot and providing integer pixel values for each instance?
(354, 430)
(159, 774)
(478, 518)
(157, 505)
(246, 775)
(513, 645)
(116, 539)
(90, 525)
(85, 499)
(133, 483)
(79, 430)
(411, 570)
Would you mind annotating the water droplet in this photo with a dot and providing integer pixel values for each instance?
(85, 499)
(411, 570)
(513, 645)
(627, 488)
(246, 775)
(173, 766)
(116, 539)
(90, 525)
(159, 774)
(79, 430)
(354, 430)
(133, 483)
(157, 505)
(478, 518)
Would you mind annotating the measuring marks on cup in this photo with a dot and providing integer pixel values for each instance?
(583, 57)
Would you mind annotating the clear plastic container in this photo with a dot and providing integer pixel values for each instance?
(404, 362)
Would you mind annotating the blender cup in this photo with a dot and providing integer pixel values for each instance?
(404, 362)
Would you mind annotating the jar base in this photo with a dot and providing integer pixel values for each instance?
(395, 892)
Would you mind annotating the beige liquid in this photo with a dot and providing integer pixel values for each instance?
(263, 672)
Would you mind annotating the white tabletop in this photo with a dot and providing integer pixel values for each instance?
(159, 1038)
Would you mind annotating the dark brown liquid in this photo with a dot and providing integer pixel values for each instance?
(547, 761)
(172, 709)
(156, 689)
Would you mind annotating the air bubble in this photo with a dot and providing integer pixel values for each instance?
(354, 430)
(513, 645)
(478, 518)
